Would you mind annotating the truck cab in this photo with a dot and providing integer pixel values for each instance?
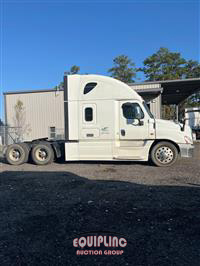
(105, 119)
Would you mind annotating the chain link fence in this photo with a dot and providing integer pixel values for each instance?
(8, 135)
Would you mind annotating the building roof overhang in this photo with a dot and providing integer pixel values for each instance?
(174, 91)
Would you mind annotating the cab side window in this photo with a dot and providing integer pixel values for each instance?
(132, 111)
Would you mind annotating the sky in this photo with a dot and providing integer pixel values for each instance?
(40, 40)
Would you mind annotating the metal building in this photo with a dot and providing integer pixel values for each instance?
(42, 112)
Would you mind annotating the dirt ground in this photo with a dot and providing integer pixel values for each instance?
(42, 208)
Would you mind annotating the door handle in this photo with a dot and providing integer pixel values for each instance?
(123, 132)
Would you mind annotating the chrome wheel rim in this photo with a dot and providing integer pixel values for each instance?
(14, 154)
(164, 155)
(41, 154)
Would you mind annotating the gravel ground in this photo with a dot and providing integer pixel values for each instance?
(158, 209)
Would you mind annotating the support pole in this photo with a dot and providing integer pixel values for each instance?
(177, 112)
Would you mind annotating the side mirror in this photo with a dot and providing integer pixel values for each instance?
(138, 116)
(141, 123)
(136, 122)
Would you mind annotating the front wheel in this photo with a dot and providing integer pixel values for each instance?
(164, 154)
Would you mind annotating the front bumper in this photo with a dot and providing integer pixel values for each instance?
(186, 150)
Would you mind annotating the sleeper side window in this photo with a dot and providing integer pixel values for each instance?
(88, 114)
(89, 87)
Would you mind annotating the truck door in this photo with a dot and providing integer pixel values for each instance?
(133, 130)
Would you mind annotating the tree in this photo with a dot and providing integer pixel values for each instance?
(123, 69)
(163, 65)
(73, 70)
(20, 121)
(192, 69)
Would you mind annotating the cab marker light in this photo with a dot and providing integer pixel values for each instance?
(187, 139)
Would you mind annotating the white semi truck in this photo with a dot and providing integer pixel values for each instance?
(105, 119)
(192, 116)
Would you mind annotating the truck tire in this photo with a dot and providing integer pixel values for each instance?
(42, 153)
(164, 154)
(17, 154)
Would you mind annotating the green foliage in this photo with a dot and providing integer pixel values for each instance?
(123, 69)
(1, 122)
(73, 70)
(163, 65)
(61, 85)
(193, 100)
(167, 65)
(168, 112)
(192, 69)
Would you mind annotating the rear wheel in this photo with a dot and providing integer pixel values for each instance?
(164, 154)
(42, 154)
(17, 154)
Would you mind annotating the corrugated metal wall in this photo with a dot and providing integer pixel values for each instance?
(155, 106)
(152, 99)
(146, 86)
(41, 111)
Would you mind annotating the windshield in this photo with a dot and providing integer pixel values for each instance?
(147, 109)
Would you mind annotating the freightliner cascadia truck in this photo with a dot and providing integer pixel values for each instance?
(105, 119)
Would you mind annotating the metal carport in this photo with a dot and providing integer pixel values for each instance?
(172, 92)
